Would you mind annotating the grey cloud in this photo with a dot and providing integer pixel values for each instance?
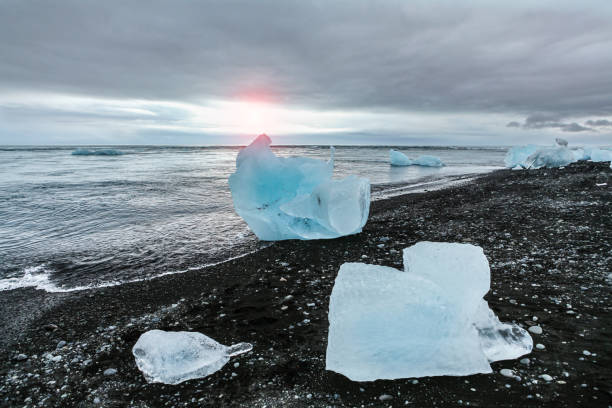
(390, 55)
(538, 120)
(549, 120)
(599, 122)
(575, 127)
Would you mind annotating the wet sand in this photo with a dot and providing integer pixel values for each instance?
(547, 235)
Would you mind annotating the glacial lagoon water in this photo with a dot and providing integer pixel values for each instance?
(72, 221)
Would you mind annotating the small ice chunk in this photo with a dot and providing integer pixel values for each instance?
(400, 159)
(295, 197)
(462, 270)
(428, 161)
(500, 341)
(506, 372)
(174, 357)
(517, 155)
(545, 377)
(600, 155)
(550, 157)
(580, 154)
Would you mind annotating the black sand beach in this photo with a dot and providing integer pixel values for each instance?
(548, 237)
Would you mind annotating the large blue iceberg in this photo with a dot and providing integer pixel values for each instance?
(429, 320)
(400, 159)
(295, 197)
(536, 157)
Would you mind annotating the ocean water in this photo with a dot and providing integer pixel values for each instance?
(72, 221)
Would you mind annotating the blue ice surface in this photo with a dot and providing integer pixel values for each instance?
(400, 159)
(550, 157)
(600, 155)
(517, 155)
(535, 157)
(96, 152)
(295, 197)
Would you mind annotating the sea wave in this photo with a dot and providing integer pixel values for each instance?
(97, 152)
(39, 277)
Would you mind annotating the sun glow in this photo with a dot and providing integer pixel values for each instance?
(254, 117)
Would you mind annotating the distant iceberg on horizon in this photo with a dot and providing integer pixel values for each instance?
(295, 197)
(97, 152)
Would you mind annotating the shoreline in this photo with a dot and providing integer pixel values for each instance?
(32, 278)
(513, 215)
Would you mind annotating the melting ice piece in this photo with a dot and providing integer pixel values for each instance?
(400, 159)
(428, 161)
(295, 197)
(580, 154)
(500, 341)
(534, 157)
(600, 155)
(517, 155)
(174, 357)
(462, 270)
(430, 320)
(550, 157)
(388, 324)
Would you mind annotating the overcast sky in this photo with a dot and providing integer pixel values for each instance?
(311, 72)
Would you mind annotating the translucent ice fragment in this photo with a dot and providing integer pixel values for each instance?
(517, 155)
(429, 320)
(399, 158)
(174, 357)
(500, 341)
(387, 324)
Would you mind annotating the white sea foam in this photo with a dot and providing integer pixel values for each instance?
(39, 276)
(35, 276)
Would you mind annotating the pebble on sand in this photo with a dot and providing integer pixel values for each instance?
(535, 329)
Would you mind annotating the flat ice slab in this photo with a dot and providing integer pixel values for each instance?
(429, 320)
(295, 197)
(174, 357)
